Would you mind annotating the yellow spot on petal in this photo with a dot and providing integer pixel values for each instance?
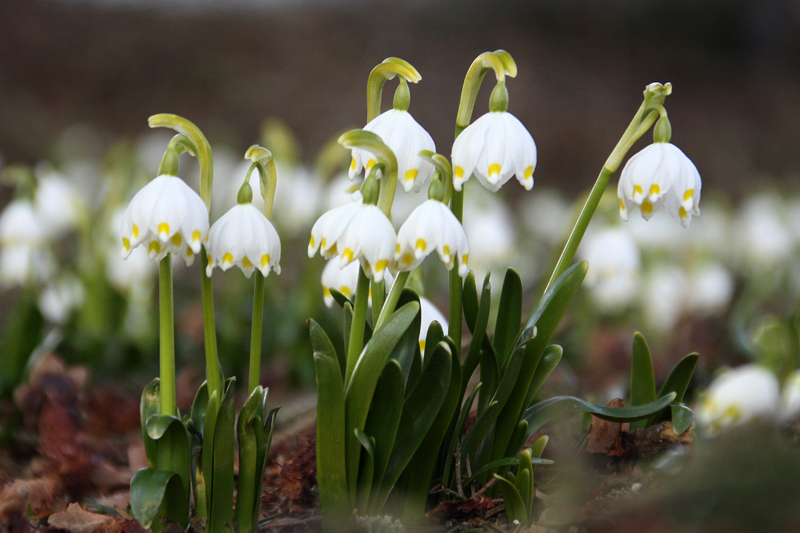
(322, 245)
(246, 263)
(154, 247)
(637, 189)
(421, 245)
(621, 204)
(311, 242)
(528, 172)
(407, 259)
(227, 258)
(398, 248)
(176, 239)
(264, 260)
(345, 290)
(326, 291)
(647, 207)
(655, 189)
(464, 258)
(733, 414)
(135, 231)
(688, 194)
(422, 346)
(195, 235)
(381, 265)
(446, 250)
(370, 164)
(163, 228)
(126, 243)
(459, 172)
(494, 168)
(411, 174)
(348, 254)
(189, 252)
(682, 212)
(352, 163)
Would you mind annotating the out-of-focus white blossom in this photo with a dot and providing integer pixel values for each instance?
(763, 238)
(430, 313)
(246, 238)
(489, 225)
(24, 257)
(58, 204)
(19, 225)
(710, 289)
(60, 298)
(297, 199)
(547, 215)
(614, 268)
(664, 297)
(738, 396)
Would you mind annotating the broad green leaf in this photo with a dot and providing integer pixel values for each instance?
(455, 436)
(543, 321)
(365, 479)
(469, 301)
(515, 507)
(419, 413)
(548, 363)
(524, 485)
(506, 385)
(434, 336)
(682, 417)
(408, 345)
(473, 357)
(543, 412)
(22, 334)
(477, 433)
(384, 417)
(197, 416)
(677, 382)
(420, 469)
(340, 298)
(158, 493)
(220, 512)
(361, 388)
(415, 372)
(643, 378)
(207, 447)
(537, 448)
(149, 405)
(490, 376)
(171, 446)
(509, 317)
(252, 450)
(331, 466)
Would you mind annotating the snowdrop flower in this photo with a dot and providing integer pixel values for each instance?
(738, 396)
(166, 215)
(491, 231)
(430, 313)
(764, 239)
(664, 297)
(494, 148)
(343, 279)
(59, 299)
(297, 198)
(432, 226)
(790, 398)
(23, 263)
(405, 137)
(710, 289)
(246, 238)
(57, 204)
(369, 237)
(329, 227)
(658, 175)
(614, 268)
(19, 225)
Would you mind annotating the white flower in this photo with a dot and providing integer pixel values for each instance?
(790, 398)
(246, 238)
(330, 226)
(23, 263)
(19, 225)
(664, 297)
(432, 226)
(57, 204)
(59, 299)
(406, 138)
(491, 231)
(614, 268)
(429, 314)
(738, 396)
(297, 198)
(494, 147)
(763, 238)
(660, 174)
(369, 237)
(710, 289)
(165, 215)
(343, 279)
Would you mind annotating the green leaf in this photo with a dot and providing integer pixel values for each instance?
(384, 417)
(455, 436)
(543, 412)
(348, 324)
(253, 449)
(515, 507)
(677, 382)
(172, 452)
(469, 301)
(196, 422)
(415, 372)
(420, 469)
(473, 354)
(682, 417)
(543, 321)
(340, 298)
(408, 345)
(158, 494)
(489, 376)
(365, 479)
(477, 433)
(548, 363)
(419, 413)
(434, 336)
(22, 334)
(220, 512)
(331, 466)
(509, 316)
(643, 378)
(368, 368)
(524, 485)
(149, 405)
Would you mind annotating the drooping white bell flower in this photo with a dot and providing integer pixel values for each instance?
(494, 148)
(369, 237)
(432, 226)
(430, 313)
(166, 215)
(329, 227)
(246, 238)
(406, 138)
(343, 279)
(738, 396)
(614, 268)
(660, 174)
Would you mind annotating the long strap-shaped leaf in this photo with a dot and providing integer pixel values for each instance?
(158, 493)
(643, 378)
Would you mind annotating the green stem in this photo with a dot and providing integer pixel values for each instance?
(392, 298)
(456, 305)
(386, 70)
(166, 338)
(356, 341)
(378, 293)
(256, 333)
(209, 330)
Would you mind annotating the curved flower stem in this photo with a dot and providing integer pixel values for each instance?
(392, 299)
(386, 70)
(649, 111)
(356, 341)
(366, 140)
(166, 336)
(262, 160)
(202, 151)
